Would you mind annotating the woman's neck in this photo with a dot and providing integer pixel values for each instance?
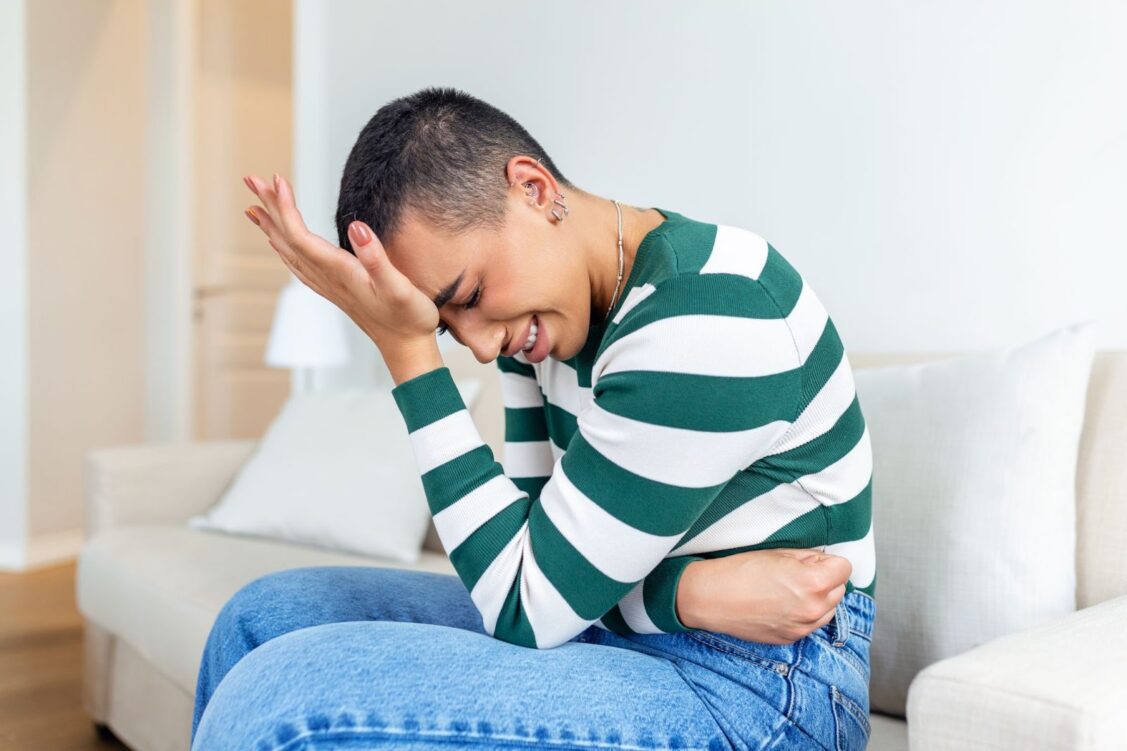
(597, 226)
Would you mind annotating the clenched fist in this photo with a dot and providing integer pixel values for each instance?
(774, 596)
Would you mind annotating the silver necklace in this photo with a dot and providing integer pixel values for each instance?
(614, 297)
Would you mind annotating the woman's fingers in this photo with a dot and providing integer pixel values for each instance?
(259, 216)
(826, 618)
(288, 216)
(366, 286)
(314, 250)
(269, 198)
(367, 247)
(265, 222)
(264, 193)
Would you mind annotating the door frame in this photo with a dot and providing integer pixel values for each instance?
(169, 236)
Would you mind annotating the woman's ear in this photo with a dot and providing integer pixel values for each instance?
(530, 178)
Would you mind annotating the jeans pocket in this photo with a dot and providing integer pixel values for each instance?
(851, 722)
(854, 652)
(856, 655)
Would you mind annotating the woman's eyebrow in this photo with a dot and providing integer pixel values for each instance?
(448, 292)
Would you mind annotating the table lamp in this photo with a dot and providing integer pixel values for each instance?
(308, 332)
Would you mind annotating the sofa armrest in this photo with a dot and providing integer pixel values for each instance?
(158, 483)
(1059, 685)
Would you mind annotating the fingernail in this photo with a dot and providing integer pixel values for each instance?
(251, 216)
(359, 233)
(275, 181)
(250, 184)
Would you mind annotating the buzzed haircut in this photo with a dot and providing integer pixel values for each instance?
(439, 152)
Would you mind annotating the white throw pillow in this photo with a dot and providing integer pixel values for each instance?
(334, 470)
(974, 503)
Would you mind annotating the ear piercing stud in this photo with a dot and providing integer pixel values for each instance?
(558, 201)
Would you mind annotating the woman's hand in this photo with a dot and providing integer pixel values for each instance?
(774, 596)
(383, 302)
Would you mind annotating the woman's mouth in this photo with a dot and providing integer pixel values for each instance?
(532, 330)
(535, 348)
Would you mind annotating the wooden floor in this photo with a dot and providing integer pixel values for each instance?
(41, 665)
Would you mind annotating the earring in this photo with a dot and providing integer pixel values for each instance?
(556, 212)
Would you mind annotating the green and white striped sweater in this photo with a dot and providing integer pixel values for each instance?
(714, 412)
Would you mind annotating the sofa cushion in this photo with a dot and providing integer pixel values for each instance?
(974, 504)
(335, 470)
(1101, 485)
(160, 587)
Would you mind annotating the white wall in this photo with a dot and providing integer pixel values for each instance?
(71, 291)
(13, 286)
(948, 175)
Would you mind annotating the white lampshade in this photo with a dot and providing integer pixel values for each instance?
(308, 331)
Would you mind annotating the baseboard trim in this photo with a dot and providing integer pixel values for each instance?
(11, 556)
(47, 549)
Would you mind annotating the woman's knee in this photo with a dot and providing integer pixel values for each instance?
(283, 601)
(270, 605)
(303, 683)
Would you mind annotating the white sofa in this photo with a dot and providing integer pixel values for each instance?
(150, 588)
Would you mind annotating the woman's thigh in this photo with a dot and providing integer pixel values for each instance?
(361, 685)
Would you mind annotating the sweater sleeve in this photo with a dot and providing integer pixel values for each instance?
(528, 456)
(680, 403)
(528, 463)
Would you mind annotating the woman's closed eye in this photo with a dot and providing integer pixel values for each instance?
(474, 298)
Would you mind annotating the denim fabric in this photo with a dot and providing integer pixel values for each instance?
(347, 657)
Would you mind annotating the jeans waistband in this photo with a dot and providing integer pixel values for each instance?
(854, 615)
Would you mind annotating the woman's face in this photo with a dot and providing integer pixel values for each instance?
(505, 278)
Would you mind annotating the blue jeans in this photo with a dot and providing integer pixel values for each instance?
(356, 657)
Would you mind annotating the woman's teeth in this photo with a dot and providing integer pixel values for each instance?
(531, 337)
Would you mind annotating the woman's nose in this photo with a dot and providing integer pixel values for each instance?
(484, 341)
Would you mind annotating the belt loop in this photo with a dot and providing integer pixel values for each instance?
(841, 624)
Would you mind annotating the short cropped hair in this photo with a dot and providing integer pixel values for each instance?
(440, 152)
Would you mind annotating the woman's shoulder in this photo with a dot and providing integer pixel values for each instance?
(716, 299)
(689, 264)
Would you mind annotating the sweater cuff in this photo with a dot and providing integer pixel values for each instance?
(427, 398)
(660, 593)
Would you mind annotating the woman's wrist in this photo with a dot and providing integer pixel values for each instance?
(411, 358)
(691, 597)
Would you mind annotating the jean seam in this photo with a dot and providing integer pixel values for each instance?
(717, 717)
(452, 737)
(721, 722)
(867, 636)
(852, 707)
(847, 655)
(763, 662)
(841, 625)
(675, 661)
(792, 695)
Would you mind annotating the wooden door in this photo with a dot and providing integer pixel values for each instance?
(242, 124)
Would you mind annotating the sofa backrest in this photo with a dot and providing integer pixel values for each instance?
(1101, 475)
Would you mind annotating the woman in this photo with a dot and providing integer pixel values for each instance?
(675, 395)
